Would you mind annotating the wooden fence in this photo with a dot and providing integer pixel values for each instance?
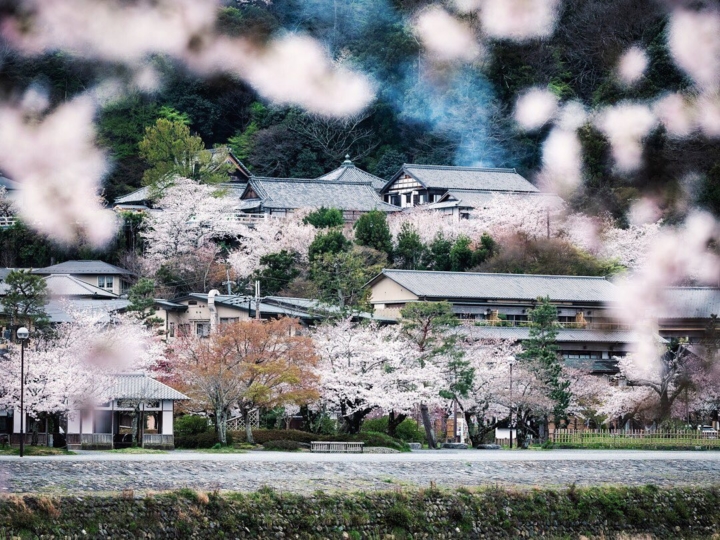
(636, 438)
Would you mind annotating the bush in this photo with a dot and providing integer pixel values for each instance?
(407, 431)
(190, 425)
(287, 446)
(200, 440)
(370, 438)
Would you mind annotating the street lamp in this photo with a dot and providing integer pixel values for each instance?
(22, 335)
(511, 363)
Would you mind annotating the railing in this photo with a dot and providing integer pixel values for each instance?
(15, 439)
(7, 221)
(237, 423)
(157, 439)
(526, 324)
(637, 438)
(96, 439)
(342, 447)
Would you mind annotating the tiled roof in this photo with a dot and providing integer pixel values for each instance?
(470, 198)
(348, 172)
(10, 185)
(59, 311)
(475, 178)
(690, 303)
(137, 196)
(291, 193)
(83, 267)
(67, 285)
(501, 286)
(140, 386)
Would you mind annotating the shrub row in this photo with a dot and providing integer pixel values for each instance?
(199, 440)
(644, 512)
(370, 438)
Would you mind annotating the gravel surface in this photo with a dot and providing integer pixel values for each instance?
(97, 472)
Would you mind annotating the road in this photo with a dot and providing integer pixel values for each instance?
(101, 472)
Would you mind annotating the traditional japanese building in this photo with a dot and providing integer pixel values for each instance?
(416, 185)
(348, 172)
(282, 196)
(98, 274)
(689, 312)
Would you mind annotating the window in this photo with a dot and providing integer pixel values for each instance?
(105, 282)
(229, 320)
(202, 329)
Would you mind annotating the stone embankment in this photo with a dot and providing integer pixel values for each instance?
(646, 512)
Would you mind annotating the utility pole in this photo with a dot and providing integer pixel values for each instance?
(257, 300)
(228, 282)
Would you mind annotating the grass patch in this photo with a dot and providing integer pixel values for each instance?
(36, 451)
(221, 450)
(137, 451)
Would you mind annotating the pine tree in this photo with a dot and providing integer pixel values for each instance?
(540, 352)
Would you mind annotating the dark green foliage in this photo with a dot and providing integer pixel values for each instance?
(407, 431)
(487, 248)
(372, 231)
(370, 438)
(276, 271)
(324, 218)
(190, 424)
(437, 256)
(142, 298)
(282, 445)
(540, 353)
(206, 439)
(410, 251)
(341, 277)
(389, 163)
(331, 242)
(25, 299)
(461, 254)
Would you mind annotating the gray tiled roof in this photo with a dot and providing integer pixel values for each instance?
(348, 172)
(10, 185)
(59, 311)
(475, 178)
(67, 285)
(83, 267)
(501, 286)
(292, 193)
(690, 303)
(137, 196)
(140, 386)
(470, 198)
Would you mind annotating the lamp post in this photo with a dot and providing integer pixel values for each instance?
(511, 362)
(22, 335)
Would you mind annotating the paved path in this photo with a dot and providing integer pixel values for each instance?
(305, 473)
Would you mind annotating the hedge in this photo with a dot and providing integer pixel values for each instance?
(370, 438)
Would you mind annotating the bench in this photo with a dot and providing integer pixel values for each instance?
(343, 447)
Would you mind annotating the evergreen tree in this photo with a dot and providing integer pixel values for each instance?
(25, 300)
(430, 326)
(333, 241)
(324, 218)
(372, 230)
(540, 353)
(277, 271)
(488, 248)
(437, 256)
(410, 250)
(461, 254)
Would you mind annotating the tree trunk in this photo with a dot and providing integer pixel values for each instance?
(221, 426)
(248, 426)
(34, 438)
(427, 423)
(394, 421)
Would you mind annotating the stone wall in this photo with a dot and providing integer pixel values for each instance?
(431, 514)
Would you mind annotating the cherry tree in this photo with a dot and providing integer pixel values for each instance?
(73, 366)
(6, 205)
(366, 367)
(271, 235)
(506, 215)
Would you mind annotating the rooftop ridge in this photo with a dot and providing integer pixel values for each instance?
(490, 274)
(456, 168)
(309, 181)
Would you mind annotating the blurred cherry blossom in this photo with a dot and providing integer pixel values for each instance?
(444, 37)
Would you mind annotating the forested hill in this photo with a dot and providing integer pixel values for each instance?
(441, 114)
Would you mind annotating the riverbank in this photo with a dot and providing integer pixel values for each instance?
(431, 513)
